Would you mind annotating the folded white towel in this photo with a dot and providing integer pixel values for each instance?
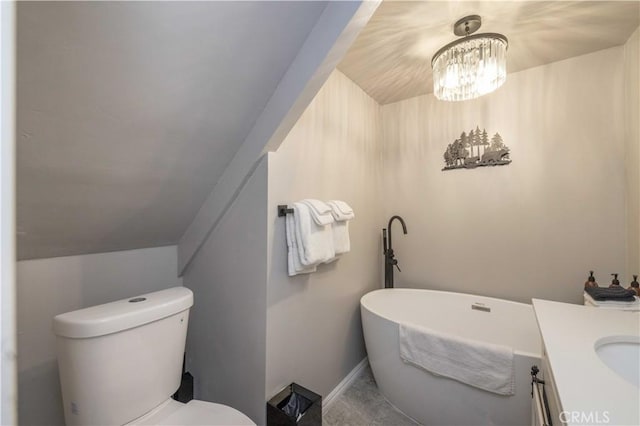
(293, 255)
(482, 365)
(315, 242)
(342, 213)
(612, 304)
(341, 241)
(320, 211)
(341, 210)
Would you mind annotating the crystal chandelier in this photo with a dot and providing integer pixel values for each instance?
(472, 66)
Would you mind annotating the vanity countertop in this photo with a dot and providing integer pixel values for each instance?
(584, 384)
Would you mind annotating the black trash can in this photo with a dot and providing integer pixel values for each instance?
(295, 406)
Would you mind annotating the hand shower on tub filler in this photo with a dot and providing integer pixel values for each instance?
(389, 257)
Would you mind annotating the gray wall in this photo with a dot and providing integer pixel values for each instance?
(47, 287)
(533, 228)
(129, 112)
(314, 335)
(226, 339)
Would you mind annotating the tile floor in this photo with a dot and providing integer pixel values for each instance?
(361, 404)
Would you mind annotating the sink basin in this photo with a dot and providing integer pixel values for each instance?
(621, 354)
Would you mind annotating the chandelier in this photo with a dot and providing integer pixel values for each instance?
(471, 66)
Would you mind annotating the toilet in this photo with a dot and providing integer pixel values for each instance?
(120, 363)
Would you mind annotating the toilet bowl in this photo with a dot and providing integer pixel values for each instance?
(120, 363)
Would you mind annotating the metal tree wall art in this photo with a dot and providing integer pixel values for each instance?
(476, 150)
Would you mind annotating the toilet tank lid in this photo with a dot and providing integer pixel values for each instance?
(122, 314)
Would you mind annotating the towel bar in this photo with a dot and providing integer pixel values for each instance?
(283, 210)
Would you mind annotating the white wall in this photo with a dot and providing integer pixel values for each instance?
(47, 287)
(632, 148)
(314, 335)
(532, 228)
(228, 275)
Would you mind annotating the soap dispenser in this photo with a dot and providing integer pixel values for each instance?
(635, 286)
(591, 281)
(615, 282)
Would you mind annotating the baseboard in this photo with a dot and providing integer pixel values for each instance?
(344, 385)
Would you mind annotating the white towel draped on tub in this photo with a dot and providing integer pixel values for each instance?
(483, 365)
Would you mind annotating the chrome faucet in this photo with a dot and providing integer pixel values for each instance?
(389, 257)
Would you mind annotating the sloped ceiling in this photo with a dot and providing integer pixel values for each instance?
(129, 112)
(391, 58)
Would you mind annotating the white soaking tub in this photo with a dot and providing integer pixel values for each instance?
(437, 400)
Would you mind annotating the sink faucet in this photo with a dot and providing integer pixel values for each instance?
(389, 258)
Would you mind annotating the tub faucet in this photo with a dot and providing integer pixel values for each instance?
(389, 257)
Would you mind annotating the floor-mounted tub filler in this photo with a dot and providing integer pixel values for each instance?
(433, 399)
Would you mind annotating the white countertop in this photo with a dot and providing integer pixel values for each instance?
(583, 382)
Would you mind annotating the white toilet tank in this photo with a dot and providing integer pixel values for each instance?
(120, 360)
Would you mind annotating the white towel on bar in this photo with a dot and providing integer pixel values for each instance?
(341, 210)
(315, 242)
(319, 210)
(294, 265)
(342, 213)
(341, 241)
(483, 365)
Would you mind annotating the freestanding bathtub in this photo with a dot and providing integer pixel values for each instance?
(436, 400)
